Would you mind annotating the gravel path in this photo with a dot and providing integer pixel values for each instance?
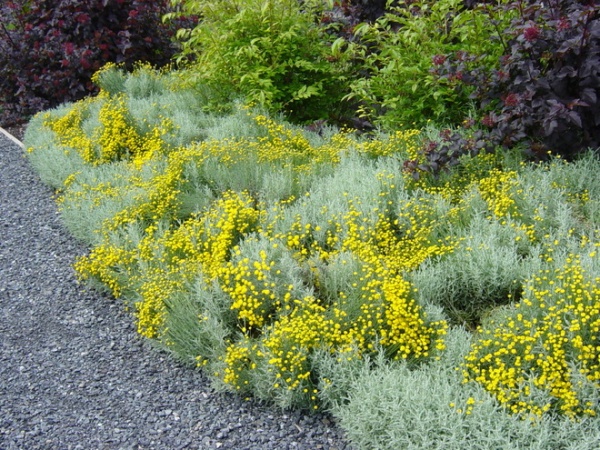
(75, 375)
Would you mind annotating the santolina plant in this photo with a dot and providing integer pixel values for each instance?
(279, 259)
(543, 355)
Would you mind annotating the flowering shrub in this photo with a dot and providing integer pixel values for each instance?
(279, 315)
(269, 307)
(543, 356)
(270, 255)
(117, 138)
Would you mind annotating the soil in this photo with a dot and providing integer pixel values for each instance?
(17, 131)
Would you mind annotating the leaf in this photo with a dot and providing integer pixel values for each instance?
(337, 45)
(362, 29)
(575, 118)
(265, 7)
(589, 96)
(305, 92)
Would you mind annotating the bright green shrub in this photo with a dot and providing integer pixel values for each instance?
(398, 52)
(268, 51)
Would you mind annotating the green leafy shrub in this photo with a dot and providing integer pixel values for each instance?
(270, 52)
(395, 54)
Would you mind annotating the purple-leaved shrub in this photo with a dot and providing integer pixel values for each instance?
(49, 49)
(544, 93)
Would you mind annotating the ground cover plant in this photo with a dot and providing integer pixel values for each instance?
(430, 287)
(307, 268)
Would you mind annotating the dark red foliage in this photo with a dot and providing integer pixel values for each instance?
(49, 49)
(531, 33)
(546, 92)
(438, 60)
(445, 152)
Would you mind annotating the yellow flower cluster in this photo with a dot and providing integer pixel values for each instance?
(302, 237)
(467, 410)
(406, 332)
(254, 290)
(69, 132)
(156, 286)
(107, 69)
(376, 308)
(108, 264)
(387, 250)
(538, 359)
(238, 362)
(201, 243)
(400, 142)
(207, 238)
(161, 192)
(292, 338)
(499, 190)
(96, 193)
(116, 137)
(282, 143)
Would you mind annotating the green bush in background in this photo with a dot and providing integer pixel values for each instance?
(398, 51)
(272, 53)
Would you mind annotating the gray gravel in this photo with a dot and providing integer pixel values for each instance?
(75, 375)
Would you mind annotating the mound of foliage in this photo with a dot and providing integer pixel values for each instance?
(282, 58)
(397, 51)
(49, 50)
(306, 268)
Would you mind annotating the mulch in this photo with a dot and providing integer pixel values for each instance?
(17, 131)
